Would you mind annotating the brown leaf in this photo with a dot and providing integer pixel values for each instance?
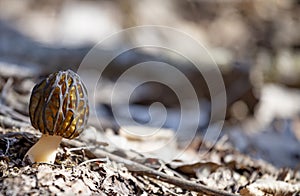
(191, 169)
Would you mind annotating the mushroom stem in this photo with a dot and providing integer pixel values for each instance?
(44, 151)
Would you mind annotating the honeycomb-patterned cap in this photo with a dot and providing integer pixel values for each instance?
(59, 105)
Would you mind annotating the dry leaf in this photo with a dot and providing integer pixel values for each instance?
(270, 187)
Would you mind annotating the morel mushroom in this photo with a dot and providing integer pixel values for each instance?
(59, 109)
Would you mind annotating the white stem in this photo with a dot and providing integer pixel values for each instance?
(44, 151)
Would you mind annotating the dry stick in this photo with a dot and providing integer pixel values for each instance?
(103, 160)
(144, 170)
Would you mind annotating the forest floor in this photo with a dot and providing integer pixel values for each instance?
(256, 46)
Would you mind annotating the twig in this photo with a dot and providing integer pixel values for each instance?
(144, 170)
(7, 146)
(81, 148)
(79, 144)
(103, 160)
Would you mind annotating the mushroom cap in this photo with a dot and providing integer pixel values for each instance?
(59, 105)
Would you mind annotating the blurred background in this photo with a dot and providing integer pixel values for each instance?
(256, 45)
